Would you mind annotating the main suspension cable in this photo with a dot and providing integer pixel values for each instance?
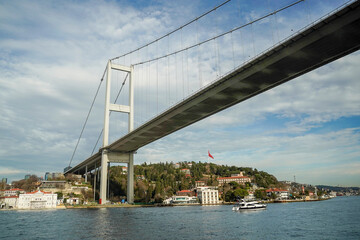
(177, 29)
(87, 117)
(220, 35)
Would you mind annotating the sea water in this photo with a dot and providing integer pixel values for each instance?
(337, 218)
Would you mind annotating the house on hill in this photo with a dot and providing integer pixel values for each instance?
(11, 192)
(199, 183)
(238, 179)
(186, 171)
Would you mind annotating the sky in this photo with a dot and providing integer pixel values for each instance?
(53, 55)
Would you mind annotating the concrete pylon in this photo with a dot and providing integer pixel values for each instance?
(105, 157)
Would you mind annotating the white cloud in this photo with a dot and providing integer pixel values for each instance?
(9, 171)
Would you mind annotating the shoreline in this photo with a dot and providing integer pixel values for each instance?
(181, 205)
(95, 206)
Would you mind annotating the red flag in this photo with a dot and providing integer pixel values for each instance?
(210, 155)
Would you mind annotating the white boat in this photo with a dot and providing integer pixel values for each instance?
(243, 205)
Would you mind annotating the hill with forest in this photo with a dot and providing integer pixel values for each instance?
(155, 182)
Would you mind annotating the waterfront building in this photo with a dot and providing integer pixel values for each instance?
(184, 200)
(4, 180)
(238, 179)
(280, 193)
(36, 200)
(185, 193)
(8, 202)
(208, 195)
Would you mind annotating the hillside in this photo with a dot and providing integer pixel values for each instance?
(155, 182)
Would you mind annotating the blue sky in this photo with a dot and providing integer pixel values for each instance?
(53, 54)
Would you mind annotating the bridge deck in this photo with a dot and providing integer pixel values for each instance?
(329, 39)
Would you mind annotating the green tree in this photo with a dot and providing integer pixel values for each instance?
(234, 184)
(229, 196)
(260, 194)
(273, 195)
(59, 195)
(240, 193)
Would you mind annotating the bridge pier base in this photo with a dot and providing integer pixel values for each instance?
(130, 180)
(103, 176)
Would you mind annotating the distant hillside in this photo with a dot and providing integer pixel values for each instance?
(338, 189)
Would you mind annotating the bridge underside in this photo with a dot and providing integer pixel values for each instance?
(326, 41)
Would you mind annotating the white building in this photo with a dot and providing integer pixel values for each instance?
(280, 193)
(11, 192)
(168, 201)
(250, 197)
(8, 202)
(184, 200)
(38, 199)
(208, 195)
(73, 201)
(199, 183)
(239, 179)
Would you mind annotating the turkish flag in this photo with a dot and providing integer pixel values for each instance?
(210, 155)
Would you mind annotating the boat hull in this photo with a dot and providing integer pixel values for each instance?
(243, 205)
(248, 208)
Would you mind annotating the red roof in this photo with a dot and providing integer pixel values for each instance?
(10, 197)
(39, 191)
(185, 191)
(15, 189)
(233, 177)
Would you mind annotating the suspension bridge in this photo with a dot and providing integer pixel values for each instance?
(182, 78)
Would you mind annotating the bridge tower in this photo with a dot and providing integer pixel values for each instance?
(111, 156)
